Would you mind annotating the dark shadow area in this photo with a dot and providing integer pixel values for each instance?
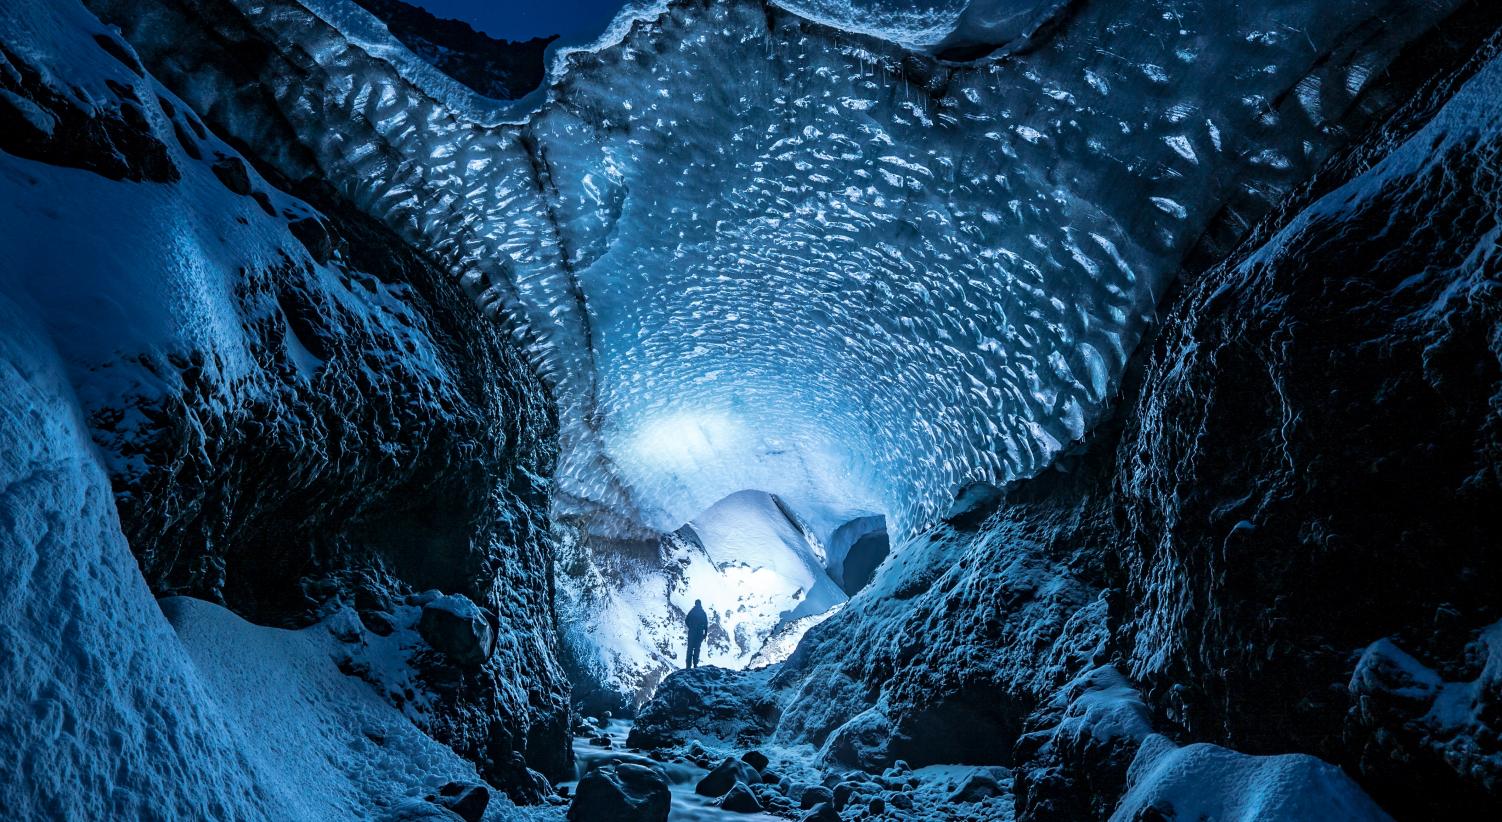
(865, 556)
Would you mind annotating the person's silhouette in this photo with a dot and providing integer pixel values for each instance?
(698, 624)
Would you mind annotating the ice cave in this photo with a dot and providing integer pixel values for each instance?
(821, 410)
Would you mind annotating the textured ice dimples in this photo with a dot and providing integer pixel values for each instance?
(815, 262)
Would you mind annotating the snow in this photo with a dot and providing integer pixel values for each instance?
(328, 743)
(760, 576)
(1203, 781)
(103, 713)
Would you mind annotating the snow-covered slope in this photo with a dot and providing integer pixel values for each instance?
(762, 580)
(102, 714)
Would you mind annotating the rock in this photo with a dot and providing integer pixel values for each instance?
(900, 801)
(707, 702)
(878, 806)
(821, 813)
(601, 741)
(725, 775)
(740, 800)
(755, 759)
(233, 172)
(315, 237)
(771, 778)
(977, 787)
(458, 629)
(467, 800)
(621, 793)
(840, 797)
(817, 795)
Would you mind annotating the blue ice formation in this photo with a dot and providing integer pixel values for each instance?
(752, 248)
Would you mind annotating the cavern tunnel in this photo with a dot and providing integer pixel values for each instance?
(710, 409)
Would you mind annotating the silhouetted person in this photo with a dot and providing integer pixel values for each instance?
(698, 623)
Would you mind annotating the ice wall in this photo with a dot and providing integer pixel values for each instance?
(752, 250)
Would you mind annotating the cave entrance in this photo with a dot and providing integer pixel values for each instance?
(764, 576)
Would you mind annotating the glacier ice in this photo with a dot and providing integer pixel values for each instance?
(750, 249)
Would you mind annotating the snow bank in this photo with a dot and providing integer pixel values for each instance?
(327, 741)
(1205, 781)
(102, 714)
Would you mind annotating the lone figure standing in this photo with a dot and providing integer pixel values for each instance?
(698, 623)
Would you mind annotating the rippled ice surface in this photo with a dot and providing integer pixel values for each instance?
(754, 251)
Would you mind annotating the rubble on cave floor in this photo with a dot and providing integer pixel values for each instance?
(709, 779)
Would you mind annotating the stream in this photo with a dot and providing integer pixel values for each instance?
(682, 776)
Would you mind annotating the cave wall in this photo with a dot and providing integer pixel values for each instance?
(298, 411)
(1282, 540)
(1313, 465)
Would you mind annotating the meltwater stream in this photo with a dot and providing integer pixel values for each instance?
(681, 776)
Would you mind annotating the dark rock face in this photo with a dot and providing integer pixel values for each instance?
(503, 69)
(920, 688)
(381, 473)
(621, 793)
(1313, 463)
(112, 138)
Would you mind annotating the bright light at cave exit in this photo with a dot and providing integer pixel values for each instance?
(685, 439)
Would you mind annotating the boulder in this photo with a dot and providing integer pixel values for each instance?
(755, 759)
(621, 793)
(815, 796)
(707, 703)
(720, 780)
(740, 799)
(467, 800)
(977, 787)
(233, 173)
(457, 628)
(823, 812)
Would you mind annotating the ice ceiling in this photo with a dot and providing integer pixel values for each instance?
(752, 249)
